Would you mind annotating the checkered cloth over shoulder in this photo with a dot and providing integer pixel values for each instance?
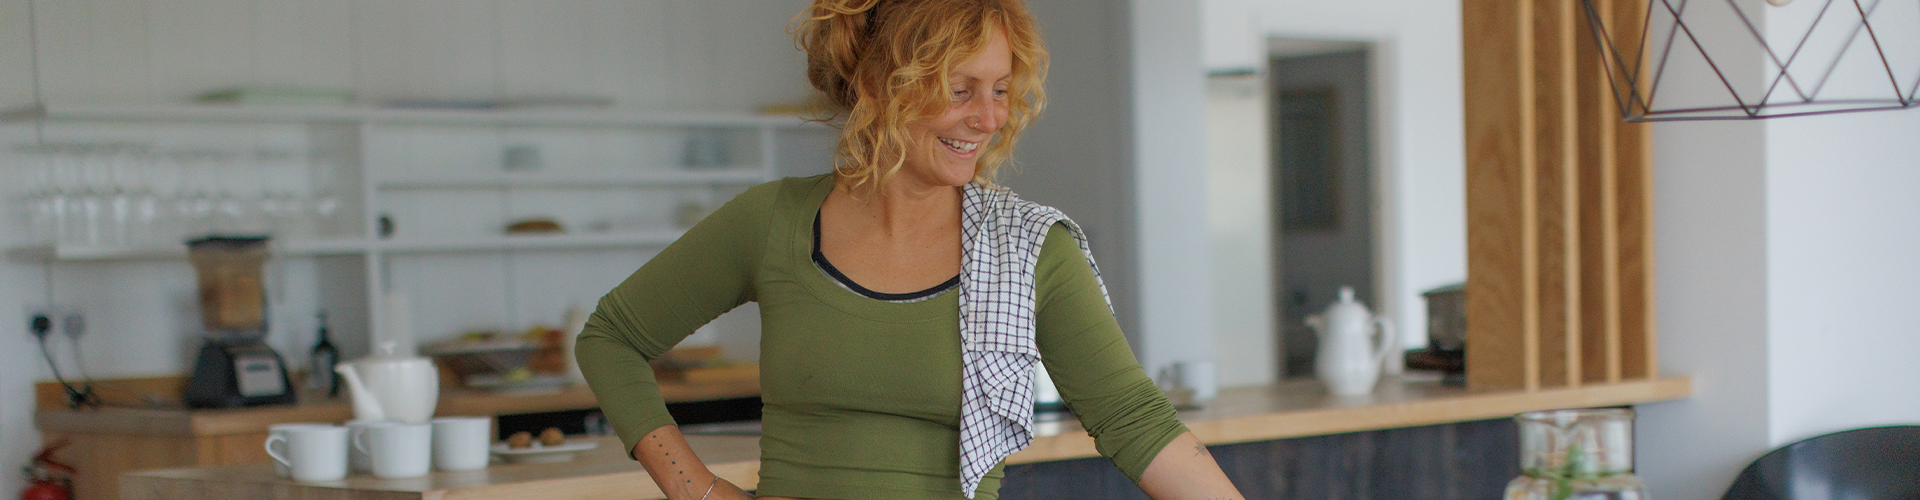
(1001, 239)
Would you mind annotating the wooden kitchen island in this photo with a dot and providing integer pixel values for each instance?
(1241, 415)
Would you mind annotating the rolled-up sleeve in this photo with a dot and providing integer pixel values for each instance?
(1087, 355)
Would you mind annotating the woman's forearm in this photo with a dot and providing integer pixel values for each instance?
(679, 473)
(1184, 470)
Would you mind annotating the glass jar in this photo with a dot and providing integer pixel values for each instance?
(1576, 455)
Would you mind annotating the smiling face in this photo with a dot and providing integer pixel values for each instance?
(947, 147)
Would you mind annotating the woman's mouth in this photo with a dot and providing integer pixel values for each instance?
(959, 147)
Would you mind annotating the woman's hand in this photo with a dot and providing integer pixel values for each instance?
(1185, 470)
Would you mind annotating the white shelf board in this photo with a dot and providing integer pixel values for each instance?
(367, 114)
(84, 253)
(531, 242)
(312, 248)
(728, 175)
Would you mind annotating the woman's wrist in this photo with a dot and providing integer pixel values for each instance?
(709, 493)
(726, 490)
(697, 484)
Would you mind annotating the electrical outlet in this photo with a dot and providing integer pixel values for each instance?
(61, 319)
(41, 320)
(39, 324)
(74, 324)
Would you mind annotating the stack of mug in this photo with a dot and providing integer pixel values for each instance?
(387, 449)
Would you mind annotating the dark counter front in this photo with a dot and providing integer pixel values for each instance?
(1459, 461)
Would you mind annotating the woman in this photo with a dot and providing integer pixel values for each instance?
(887, 370)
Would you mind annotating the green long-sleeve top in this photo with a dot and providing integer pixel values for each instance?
(861, 395)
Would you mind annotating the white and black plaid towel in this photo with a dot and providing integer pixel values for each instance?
(1000, 245)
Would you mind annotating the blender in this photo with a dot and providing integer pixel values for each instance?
(234, 368)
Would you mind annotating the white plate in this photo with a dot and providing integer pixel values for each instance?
(540, 454)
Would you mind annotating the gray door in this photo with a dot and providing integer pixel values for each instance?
(1322, 192)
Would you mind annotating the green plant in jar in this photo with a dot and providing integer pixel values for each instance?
(1576, 455)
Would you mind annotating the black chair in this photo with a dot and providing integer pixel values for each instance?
(1879, 463)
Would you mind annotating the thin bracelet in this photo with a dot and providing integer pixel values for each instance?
(716, 482)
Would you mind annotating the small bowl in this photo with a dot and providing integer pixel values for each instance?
(469, 358)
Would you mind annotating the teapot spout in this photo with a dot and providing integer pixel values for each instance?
(365, 405)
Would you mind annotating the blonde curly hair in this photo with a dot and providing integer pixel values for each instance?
(883, 64)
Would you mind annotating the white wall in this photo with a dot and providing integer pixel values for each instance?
(1843, 234)
(1711, 263)
(646, 55)
(18, 284)
(1240, 230)
(1843, 230)
(1419, 172)
(1170, 183)
(1711, 281)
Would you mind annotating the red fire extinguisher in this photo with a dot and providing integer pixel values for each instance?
(47, 479)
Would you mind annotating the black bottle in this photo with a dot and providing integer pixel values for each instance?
(321, 360)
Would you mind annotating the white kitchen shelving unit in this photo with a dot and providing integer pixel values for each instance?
(374, 185)
(359, 134)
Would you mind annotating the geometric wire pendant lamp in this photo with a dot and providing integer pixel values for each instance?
(1826, 56)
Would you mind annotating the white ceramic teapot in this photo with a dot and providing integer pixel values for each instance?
(390, 387)
(1349, 361)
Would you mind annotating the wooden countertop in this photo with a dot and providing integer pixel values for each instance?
(176, 421)
(1285, 410)
(604, 472)
(1304, 408)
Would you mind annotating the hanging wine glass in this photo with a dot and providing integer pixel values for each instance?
(168, 181)
(324, 174)
(90, 205)
(146, 208)
(196, 204)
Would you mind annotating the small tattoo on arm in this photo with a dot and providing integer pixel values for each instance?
(1199, 449)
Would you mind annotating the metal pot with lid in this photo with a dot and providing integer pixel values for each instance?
(1447, 317)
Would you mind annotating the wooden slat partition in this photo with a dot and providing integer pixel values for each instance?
(1559, 250)
(1559, 235)
(1502, 324)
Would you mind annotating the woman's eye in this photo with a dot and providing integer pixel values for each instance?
(959, 95)
(1000, 93)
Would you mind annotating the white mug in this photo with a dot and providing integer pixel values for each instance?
(313, 453)
(1204, 378)
(356, 458)
(396, 450)
(280, 430)
(460, 443)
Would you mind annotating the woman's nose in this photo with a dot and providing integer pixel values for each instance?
(988, 116)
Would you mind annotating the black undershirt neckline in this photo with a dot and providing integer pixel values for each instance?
(820, 258)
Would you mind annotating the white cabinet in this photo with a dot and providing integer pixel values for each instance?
(444, 185)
